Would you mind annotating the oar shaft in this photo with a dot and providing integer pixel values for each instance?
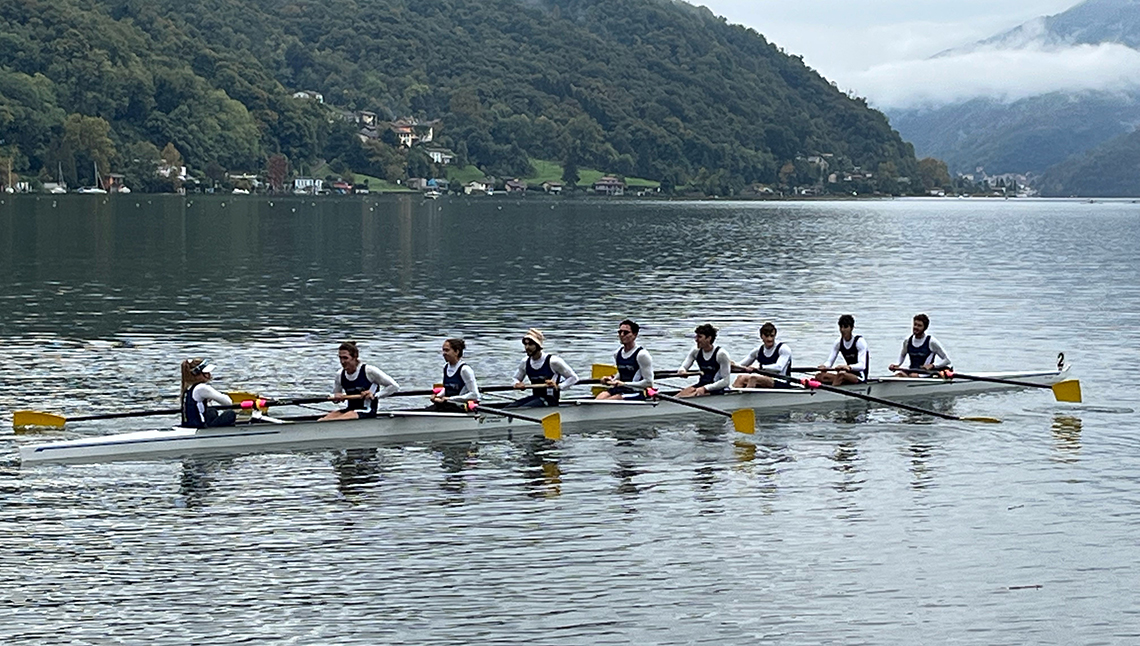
(992, 380)
(859, 395)
(137, 413)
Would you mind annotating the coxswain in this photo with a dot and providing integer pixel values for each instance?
(459, 385)
(769, 356)
(635, 366)
(541, 368)
(197, 395)
(923, 350)
(852, 348)
(359, 385)
(713, 361)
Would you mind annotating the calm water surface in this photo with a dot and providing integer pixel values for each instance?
(848, 527)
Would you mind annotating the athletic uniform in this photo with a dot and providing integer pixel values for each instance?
(196, 413)
(364, 378)
(547, 366)
(715, 367)
(635, 369)
(459, 386)
(929, 350)
(855, 355)
(778, 360)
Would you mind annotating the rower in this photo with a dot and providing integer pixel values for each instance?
(924, 351)
(459, 385)
(768, 356)
(635, 366)
(197, 395)
(715, 365)
(853, 349)
(541, 368)
(359, 385)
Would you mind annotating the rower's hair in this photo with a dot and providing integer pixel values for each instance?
(925, 320)
(768, 328)
(706, 329)
(189, 377)
(846, 321)
(457, 344)
(350, 348)
(633, 327)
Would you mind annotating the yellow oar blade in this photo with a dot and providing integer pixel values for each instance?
(24, 419)
(552, 426)
(1067, 391)
(599, 370)
(987, 420)
(744, 420)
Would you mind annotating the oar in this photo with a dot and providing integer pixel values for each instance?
(23, 419)
(811, 383)
(551, 424)
(743, 419)
(1068, 390)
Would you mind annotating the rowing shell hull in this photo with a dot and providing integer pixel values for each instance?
(405, 426)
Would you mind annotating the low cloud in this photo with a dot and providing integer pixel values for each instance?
(1003, 74)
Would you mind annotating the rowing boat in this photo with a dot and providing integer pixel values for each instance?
(395, 426)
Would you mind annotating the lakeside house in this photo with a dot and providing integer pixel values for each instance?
(308, 185)
(609, 185)
(440, 155)
(309, 95)
(515, 186)
(554, 188)
(477, 187)
(412, 131)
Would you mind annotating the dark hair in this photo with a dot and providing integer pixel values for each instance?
(706, 329)
(350, 348)
(925, 320)
(768, 328)
(633, 327)
(457, 344)
(846, 321)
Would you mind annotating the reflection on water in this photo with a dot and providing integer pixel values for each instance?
(357, 473)
(826, 526)
(1066, 438)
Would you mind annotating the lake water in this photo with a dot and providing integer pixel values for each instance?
(850, 527)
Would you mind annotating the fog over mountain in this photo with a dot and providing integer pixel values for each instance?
(1025, 99)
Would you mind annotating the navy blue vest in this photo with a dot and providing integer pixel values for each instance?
(765, 360)
(627, 368)
(918, 355)
(709, 367)
(540, 375)
(454, 384)
(851, 355)
(355, 387)
(191, 417)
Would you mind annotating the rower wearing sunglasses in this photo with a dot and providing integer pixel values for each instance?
(635, 366)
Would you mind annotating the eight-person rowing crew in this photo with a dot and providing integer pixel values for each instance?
(769, 365)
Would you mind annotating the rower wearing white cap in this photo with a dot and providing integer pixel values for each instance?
(769, 356)
(197, 395)
(541, 368)
(358, 379)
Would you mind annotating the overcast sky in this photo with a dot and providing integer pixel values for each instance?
(881, 49)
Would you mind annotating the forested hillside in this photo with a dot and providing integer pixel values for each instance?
(650, 88)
